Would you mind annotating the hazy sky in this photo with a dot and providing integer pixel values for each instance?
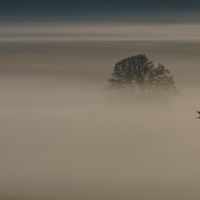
(95, 6)
(105, 10)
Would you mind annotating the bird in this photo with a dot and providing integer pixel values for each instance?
(198, 112)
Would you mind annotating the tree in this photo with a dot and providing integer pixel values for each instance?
(139, 78)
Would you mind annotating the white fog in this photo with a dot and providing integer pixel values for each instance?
(62, 139)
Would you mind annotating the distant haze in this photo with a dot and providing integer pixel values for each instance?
(61, 138)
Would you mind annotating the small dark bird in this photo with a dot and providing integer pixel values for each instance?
(198, 112)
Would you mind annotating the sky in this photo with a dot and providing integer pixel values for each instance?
(143, 11)
(93, 6)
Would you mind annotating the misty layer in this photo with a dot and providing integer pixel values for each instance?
(61, 138)
(96, 31)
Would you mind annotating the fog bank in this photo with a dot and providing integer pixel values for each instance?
(97, 31)
(62, 139)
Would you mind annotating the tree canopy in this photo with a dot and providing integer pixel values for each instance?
(138, 77)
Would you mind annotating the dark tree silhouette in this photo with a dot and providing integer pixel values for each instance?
(137, 75)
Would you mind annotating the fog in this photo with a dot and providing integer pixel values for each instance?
(60, 136)
(97, 31)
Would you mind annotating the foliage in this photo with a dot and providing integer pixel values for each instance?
(138, 77)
